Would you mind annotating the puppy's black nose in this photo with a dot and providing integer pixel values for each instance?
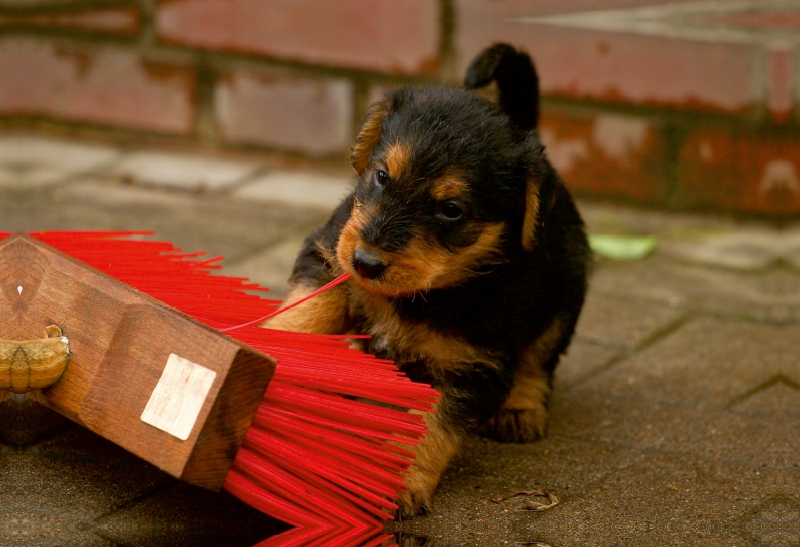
(367, 265)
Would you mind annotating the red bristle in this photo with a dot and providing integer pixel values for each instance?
(328, 465)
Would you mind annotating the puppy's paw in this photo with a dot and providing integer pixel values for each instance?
(416, 500)
(414, 504)
(514, 425)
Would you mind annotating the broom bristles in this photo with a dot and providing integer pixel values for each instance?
(328, 465)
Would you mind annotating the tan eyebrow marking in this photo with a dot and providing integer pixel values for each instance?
(397, 160)
(448, 188)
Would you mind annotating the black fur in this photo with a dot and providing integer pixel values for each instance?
(516, 79)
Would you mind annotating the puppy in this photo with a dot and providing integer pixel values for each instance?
(467, 255)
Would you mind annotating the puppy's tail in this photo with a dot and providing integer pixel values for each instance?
(516, 79)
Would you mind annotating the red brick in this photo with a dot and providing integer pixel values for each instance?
(606, 154)
(741, 172)
(103, 85)
(125, 20)
(611, 66)
(382, 35)
(307, 115)
(779, 83)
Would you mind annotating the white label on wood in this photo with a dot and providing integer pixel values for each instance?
(179, 396)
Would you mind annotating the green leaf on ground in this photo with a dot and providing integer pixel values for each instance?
(623, 247)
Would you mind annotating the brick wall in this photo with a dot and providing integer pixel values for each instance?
(674, 104)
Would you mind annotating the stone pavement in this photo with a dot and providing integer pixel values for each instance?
(674, 419)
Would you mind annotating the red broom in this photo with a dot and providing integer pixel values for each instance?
(326, 464)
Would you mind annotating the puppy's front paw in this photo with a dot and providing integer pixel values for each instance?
(516, 425)
(412, 505)
(416, 500)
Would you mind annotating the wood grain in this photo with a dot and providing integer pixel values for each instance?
(120, 340)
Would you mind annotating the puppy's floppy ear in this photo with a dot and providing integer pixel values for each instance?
(540, 191)
(369, 136)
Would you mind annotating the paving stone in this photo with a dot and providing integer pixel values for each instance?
(623, 323)
(705, 364)
(297, 188)
(611, 218)
(462, 512)
(772, 295)
(648, 426)
(702, 390)
(77, 464)
(739, 250)
(233, 228)
(665, 500)
(779, 398)
(79, 489)
(23, 422)
(187, 172)
(270, 268)
(581, 360)
(186, 515)
(31, 161)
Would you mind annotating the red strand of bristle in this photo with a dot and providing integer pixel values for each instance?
(327, 465)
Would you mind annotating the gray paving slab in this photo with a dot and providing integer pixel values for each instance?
(182, 171)
(298, 188)
(581, 361)
(706, 364)
(182, 514)
(271, 267)
(75, 488)
(624, 323)
(769, 296)
(29, 161)
(745, 250)
(232, 228)
(664, 500)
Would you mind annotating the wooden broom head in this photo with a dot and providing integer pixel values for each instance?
(163, 386)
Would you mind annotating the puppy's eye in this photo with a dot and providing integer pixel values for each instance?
(381, 178)
(450, 211)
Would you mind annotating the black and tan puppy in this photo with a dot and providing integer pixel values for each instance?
(467, 255)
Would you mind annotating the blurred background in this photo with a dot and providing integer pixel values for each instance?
(689, 105)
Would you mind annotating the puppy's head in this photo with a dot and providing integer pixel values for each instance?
(447, 188)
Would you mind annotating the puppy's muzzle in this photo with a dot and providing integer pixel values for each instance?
(367, 264)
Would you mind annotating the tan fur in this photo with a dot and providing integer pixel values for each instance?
(448, 188)
(397, 159)
(420, 266)
(369, 137)
(432, 458)
(412, 341)
(531, 215)
(524, 416)
(350, 238)
(326, 313)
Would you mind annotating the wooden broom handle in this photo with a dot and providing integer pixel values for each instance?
(33, 364)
